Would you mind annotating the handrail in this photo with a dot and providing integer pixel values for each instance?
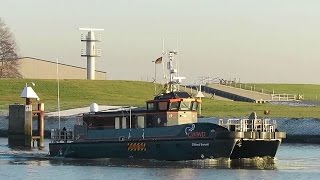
(284, 97)
(58, 135)
(249, 125)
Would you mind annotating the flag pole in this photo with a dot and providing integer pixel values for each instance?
(155, 77)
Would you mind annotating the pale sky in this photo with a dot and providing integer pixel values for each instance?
(271, 41)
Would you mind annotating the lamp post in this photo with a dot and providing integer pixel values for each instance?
(199, 95)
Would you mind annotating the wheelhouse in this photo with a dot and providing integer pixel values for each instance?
(164, 110)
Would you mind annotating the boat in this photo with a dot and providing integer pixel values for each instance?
(260, 136)
(167, 129)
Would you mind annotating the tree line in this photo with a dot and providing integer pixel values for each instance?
(8, 53)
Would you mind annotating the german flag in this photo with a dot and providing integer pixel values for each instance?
(158, 61)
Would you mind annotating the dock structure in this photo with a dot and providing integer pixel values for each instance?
(21, 122)
(238, 94)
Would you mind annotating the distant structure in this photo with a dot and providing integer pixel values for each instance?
(35, 68)
(91, 52)
(20, 130)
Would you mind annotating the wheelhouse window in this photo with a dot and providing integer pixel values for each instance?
(194, 106)
(185, 105)
(150, 106)
(174, 105)
(140, 121)
(163, 106)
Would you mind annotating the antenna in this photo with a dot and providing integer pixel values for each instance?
(163, 52)
(177, 57)
(58, 93)
(91, 52)
(173, 80)
(177, 64)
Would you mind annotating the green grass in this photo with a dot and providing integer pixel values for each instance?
(309, 91)
(81, 93)
(243, 109)
(78, 93)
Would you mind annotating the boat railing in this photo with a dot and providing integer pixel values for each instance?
(61, 135)
(249, 125)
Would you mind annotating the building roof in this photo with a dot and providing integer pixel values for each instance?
(37, 59)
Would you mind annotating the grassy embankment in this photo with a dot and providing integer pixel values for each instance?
(310, 92)
(80, 93)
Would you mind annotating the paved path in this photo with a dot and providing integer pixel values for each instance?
(193, 92)
(254, 96)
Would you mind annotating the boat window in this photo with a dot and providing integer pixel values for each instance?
(194, 106)
(140, 121)
(185, 105)
(163, 105)
(124, 123)
(117, 123)
(150, 106)
(174, 105)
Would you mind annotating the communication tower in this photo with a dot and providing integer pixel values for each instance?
(91, 51)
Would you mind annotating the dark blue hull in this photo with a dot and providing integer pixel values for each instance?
(172, 150)
(255, 148)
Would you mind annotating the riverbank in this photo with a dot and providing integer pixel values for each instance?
(80, 93)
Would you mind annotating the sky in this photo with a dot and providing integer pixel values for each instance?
(260, 41)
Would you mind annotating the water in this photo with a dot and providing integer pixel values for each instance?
(294, 161)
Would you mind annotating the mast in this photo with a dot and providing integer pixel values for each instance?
(173, 79)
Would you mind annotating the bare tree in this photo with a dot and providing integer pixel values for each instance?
(8, 53)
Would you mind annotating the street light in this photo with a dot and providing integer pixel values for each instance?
(200, 95)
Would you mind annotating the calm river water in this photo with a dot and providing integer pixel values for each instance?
(293, 161)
